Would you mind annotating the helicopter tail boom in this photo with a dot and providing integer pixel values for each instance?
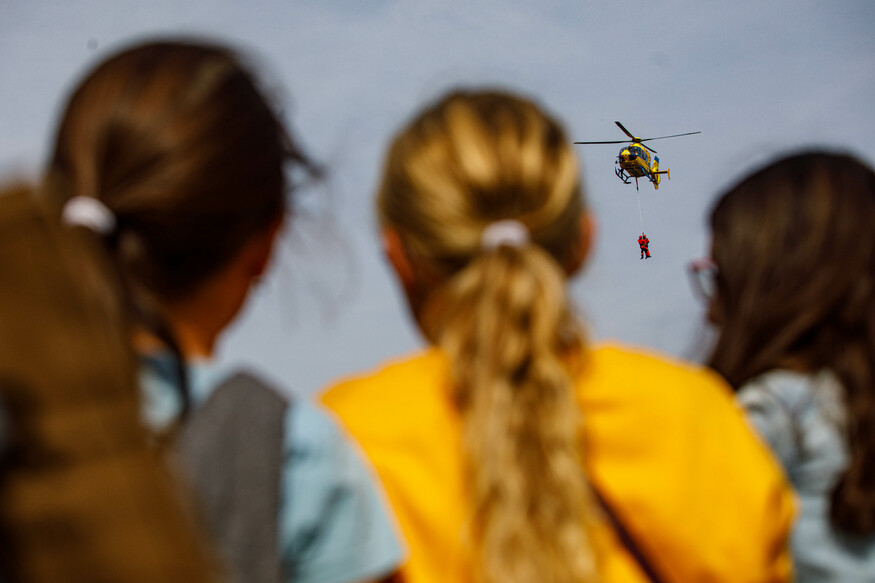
(655, 173)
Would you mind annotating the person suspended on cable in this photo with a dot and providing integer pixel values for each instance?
(644, 243)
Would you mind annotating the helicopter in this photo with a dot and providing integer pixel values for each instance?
(633, 161)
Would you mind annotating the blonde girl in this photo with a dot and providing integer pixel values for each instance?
(513, 450)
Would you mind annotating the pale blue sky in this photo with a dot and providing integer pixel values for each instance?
(757, 78)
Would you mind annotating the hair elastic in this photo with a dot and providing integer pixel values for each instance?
(506, 232)
(89, 212)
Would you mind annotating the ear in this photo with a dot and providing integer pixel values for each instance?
(409, 275)
(261, 247)
(584, 245)
(397, 255)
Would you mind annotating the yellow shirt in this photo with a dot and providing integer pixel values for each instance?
(664, 443)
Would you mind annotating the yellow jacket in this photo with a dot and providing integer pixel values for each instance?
(664, 444)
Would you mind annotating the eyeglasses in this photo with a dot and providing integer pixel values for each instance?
(703, 278)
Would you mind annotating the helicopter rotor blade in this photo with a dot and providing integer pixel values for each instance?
(637, 139)
(625, 131)
(648, 147)
(671, 136)
(611, 142)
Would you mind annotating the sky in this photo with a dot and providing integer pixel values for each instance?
(758, 79)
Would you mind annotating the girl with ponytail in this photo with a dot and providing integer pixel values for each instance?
(177, 164)
(795, 289)
(511, 449)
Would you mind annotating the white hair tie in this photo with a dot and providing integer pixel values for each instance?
(87, 211)
(507, 232)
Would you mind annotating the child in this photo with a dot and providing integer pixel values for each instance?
(512, 450)
(169, 152)
(797, 340)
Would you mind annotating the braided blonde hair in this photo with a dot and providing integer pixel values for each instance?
(502, 317)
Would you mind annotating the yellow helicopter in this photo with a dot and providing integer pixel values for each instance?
(633, 160)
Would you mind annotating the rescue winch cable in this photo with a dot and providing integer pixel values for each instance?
(640, 216)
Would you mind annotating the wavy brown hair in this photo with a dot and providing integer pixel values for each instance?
(503, 318)
(181, 143)
(83, 497)
(796, 287)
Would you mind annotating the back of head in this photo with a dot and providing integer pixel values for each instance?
(796, 284)
(82, 495)
(498, 309)
(179, 142)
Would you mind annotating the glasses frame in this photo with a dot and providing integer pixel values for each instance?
(703, 278)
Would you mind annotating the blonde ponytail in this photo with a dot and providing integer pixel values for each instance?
(507, 330)
(501, 315)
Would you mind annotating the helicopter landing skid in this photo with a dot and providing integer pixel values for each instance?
(621, 174)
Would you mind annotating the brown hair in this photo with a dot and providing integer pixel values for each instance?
(83, 497)
(502, 317)
(177, 139)
(796, 285)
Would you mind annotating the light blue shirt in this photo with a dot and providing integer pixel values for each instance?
(801, 417)
(333, 522)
